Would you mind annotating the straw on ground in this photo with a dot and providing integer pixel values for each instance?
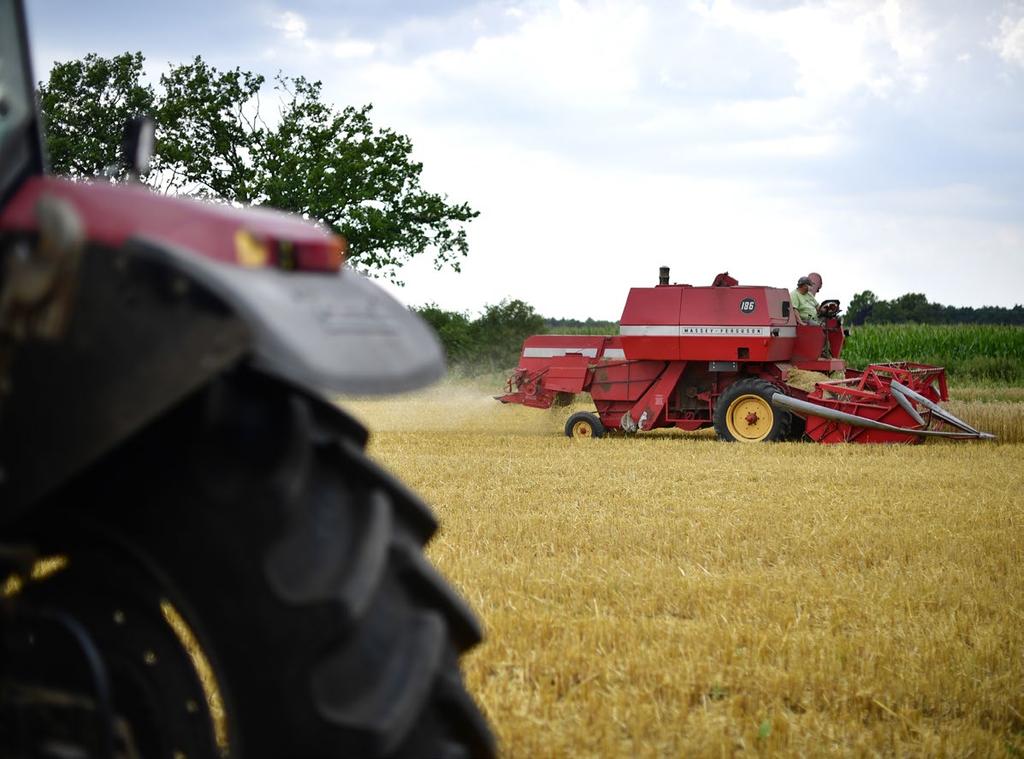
(672, 595)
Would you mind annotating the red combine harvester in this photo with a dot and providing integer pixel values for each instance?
(734, 358)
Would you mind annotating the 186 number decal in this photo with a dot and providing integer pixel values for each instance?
(747, 305)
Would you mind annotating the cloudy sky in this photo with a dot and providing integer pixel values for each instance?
(878, 143)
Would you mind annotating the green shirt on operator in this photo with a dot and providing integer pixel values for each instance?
(804, 303)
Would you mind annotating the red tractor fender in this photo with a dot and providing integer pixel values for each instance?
(155, 309)
(312, 321)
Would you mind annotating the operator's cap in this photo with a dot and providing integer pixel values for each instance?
(804, 281)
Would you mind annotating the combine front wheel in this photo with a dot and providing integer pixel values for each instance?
(584, 425)
(744, 413)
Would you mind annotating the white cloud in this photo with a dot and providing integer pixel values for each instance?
(296, 31)
(838, 47)
(353, 49)
(910, 41)
(651, 63)
(803, 146)
(292, 25)
(1009, 43)
(575, 53)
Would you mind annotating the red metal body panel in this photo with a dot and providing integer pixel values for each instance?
(651, 410)
(809, 343)
(835, 336)
(811, 339)
(553, 364)
(620, 385)
(566, 379)
(684, 323)
(113, 214)
(653, 313)
(624, 380)
(542, 351)
(722, 305)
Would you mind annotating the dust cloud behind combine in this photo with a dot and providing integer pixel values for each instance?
(457, 406)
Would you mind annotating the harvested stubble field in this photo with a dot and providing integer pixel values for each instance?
(671, 595)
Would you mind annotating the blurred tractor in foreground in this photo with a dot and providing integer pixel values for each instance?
(197, 558)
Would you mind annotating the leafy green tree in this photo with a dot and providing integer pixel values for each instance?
(209, 128)
(334, 166)
(911, 307)
(590, 326)
(860, 307)
(501, 329)
(85, 104)
(914, 307)
(455, 330)
(339, 168)
(491, 342)
(865, 307)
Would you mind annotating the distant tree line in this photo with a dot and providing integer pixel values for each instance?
(494, 340)
(580, 327)
(915, 308)
(491, 342)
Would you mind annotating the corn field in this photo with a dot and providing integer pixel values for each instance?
(672, 595)
(980, 352)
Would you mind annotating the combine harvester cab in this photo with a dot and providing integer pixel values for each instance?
(734, 358)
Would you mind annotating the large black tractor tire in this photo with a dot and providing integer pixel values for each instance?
(744, 413)
(294, 567)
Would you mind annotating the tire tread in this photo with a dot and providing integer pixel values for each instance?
(302, 560)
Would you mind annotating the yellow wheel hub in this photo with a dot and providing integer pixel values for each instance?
(582, 429)
(750, 418)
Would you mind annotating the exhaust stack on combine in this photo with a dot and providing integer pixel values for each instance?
(734, 358)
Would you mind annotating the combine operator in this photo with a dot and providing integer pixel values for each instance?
(807, 309)
(804, 303)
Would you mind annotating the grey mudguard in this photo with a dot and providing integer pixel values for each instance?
(332, 331)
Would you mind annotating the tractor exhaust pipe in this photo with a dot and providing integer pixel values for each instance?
(663, 275)
(806, 408)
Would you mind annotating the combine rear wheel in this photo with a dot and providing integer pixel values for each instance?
(583, 425)
(744, 413)
(295, 565)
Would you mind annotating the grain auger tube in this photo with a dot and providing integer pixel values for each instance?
(732, 357)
